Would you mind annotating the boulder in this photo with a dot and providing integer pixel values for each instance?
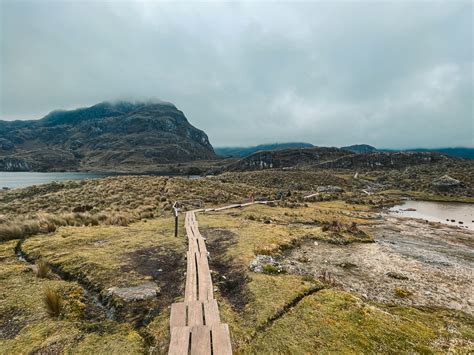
(446, 182)
(330, 188)
(135, 293)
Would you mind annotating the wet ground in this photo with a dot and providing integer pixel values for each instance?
(451, 213)
(412, 262)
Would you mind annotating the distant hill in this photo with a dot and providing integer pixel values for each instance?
(459, 152)
(335, 158)
(360, 148)
(246, 151)
(287, 158)
(467, 153)
(122, 136)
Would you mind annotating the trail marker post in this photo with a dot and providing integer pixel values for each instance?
(175, 214)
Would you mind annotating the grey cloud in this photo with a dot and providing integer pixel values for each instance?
(391, 74)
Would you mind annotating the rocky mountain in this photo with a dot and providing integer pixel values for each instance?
(121, 136)
(246, 151)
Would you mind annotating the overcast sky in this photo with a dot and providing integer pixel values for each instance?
(391, 74)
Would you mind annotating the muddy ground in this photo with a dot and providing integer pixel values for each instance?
(412, 262)
(229, 277)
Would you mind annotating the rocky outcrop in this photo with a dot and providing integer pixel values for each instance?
(330, 189)
(289, 158)
(446, 182)
(107, 136)
(13, 164)
(381, 160)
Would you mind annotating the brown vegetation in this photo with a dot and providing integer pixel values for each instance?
(53, 303)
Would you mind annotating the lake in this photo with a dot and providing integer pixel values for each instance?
(450, 213)
(14, 180)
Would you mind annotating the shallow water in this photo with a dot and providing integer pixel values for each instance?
(451, 213)
(14, 180)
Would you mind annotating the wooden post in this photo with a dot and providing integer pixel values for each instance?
(175, 214)
(176, 225)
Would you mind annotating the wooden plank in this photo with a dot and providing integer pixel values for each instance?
(211, 313)
(178, 315)
(202, 246)
(204, 276)
(201, 340)
(179, 342)
(195, 316)
(190, 293)
(221, 344)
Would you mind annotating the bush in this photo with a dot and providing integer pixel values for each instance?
(53, 303)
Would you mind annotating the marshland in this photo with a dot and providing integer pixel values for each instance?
(97, 266)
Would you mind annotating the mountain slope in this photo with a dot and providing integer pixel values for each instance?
(288, 158)
(121, 136)
(246, 151)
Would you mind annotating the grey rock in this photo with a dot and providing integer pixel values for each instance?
(329, 188)
(135, 293)
(260, 261)
(446, 182)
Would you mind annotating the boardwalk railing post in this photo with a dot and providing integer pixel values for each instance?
(176, 225)
(175, 214)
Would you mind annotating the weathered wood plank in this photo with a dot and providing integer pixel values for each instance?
(179, 342)
(190, 293)
(201, 340)
(211, 313)
(205, 282)
(221, 344)
(202, 246)
(195, 316)
(178, 315)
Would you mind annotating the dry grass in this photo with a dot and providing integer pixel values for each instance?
(42, 269)
(53, 302)
(26, 327)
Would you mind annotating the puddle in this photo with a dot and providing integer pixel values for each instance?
(450, 213)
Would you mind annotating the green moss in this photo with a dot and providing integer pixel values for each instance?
(331, 321)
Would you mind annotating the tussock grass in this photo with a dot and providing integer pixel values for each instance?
(28, 328)
(10, 231)
(53, 302)
(42, 269)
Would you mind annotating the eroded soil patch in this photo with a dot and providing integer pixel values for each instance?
(411, 263)
(11, 324)
(228, 276)
(166, 268)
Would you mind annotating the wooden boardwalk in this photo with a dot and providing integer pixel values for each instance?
(195, 324)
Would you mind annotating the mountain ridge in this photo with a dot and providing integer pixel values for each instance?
(106, 136)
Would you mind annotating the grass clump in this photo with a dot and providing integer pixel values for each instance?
(42, 269)
(53, 302)
(402, 293)
(10, 231)
(271, 269)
